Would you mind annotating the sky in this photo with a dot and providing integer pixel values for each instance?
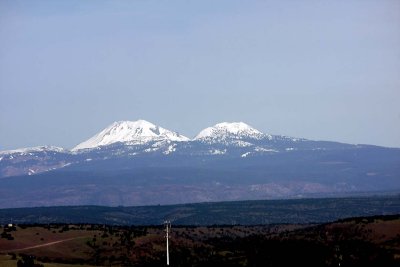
(321, 70)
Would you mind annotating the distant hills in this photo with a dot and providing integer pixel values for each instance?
(139, 163)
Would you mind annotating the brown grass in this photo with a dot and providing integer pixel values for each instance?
(82, 245)
(34, 236)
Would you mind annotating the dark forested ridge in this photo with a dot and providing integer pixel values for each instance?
(297, 211)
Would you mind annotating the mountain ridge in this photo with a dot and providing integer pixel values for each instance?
(142, 131)
(229, 161)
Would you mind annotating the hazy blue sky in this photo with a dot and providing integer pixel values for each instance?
(325, 70)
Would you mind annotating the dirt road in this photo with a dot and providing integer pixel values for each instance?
(43, 245)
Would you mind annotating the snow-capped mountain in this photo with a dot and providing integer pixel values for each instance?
(230, 130)
(130, 132)
(139, 163)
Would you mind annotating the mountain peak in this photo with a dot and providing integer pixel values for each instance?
(130, 131)
(226, 129)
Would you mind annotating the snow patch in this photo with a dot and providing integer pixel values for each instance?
(245, 154)
(151, 149)
(240, 143)
(217, 151)
(170, 149)
(261, 149)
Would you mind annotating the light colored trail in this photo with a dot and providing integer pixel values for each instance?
(43, 245)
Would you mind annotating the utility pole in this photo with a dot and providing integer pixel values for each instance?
(167, 230)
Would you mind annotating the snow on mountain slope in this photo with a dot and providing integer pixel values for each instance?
(34, 149)
(133, 132)
(32, 160)
(235, 130)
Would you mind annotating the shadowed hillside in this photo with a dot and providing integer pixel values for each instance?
(313, 210)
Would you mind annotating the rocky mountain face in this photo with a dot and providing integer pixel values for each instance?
(139, 163)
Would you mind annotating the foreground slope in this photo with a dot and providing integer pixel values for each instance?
(362, 241)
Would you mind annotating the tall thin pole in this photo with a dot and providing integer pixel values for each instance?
(167, 229)
(167, 248)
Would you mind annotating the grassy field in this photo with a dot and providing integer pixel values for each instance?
(366, 241)
(7, 261)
